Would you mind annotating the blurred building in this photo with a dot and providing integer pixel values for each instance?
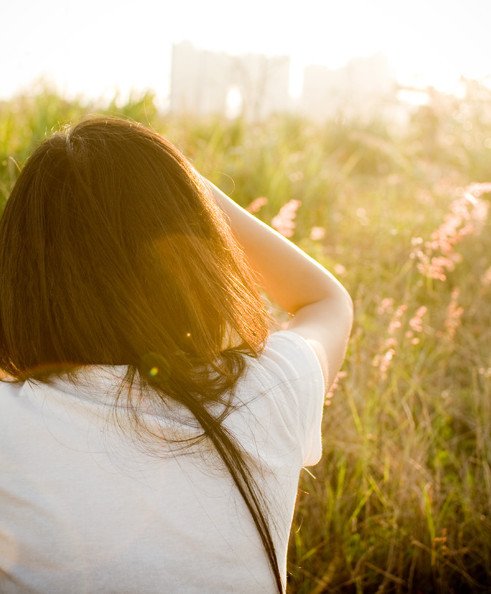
(359, 89)
(255, 86)
(205, 82)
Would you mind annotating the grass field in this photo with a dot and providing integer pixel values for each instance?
(401, 501)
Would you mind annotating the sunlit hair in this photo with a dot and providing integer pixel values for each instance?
(113, 252)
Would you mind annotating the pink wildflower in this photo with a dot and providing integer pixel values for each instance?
(284, 221)
(317, 233)
(335, 385)
(257, 204)
(477, 189)
(486, 277)
(395, 323)
(454, 314)
(383, 359)
(467, 215)
(416, 325)
(339, 269)
(386, 306)
(416, 322)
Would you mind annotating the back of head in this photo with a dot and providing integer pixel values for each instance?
(113, 251)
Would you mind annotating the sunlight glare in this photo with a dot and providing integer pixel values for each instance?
(426, 43)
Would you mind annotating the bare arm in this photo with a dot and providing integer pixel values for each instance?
(321, 306)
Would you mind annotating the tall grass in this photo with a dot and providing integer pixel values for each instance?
(401, 500)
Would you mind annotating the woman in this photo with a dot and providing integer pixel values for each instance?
(152, 430)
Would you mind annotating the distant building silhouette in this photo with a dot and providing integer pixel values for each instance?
(254, 85)
(357, 89)
(205, 82)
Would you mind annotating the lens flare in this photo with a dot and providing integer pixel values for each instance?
(155, 366)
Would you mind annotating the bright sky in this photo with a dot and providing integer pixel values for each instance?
(96, 46)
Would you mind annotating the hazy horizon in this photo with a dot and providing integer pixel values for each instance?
(98, 47)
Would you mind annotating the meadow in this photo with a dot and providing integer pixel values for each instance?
(401, 501)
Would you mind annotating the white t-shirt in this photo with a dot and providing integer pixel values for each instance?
(84, 508)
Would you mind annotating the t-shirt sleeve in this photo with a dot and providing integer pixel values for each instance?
(307, 383)
(288, 382)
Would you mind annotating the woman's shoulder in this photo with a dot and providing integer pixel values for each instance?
(290, 356)
(281, 397)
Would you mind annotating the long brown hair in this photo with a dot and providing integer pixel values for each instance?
(113, 252)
